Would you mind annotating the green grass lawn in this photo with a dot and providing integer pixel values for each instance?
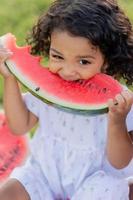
(18, 16)
(127, 6)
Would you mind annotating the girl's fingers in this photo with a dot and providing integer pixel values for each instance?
(5, 51)
(128, 96)
(124, 99)
(112, 105)
(4, 54)
(117, 103)
(122, 102)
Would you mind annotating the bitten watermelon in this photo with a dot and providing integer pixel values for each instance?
(13, 149)
(88, 96)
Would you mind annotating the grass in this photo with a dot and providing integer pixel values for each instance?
(18, 16)
(127, 6)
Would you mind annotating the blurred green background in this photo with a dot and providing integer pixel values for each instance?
(18, 16)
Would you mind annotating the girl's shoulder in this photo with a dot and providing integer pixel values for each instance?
(34, 104)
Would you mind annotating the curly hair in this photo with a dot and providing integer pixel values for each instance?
(102, 22)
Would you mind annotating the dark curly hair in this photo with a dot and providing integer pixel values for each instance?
(102, 22)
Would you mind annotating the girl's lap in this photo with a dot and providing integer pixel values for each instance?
(102, 186)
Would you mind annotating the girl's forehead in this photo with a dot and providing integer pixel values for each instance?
(67, 40)
(66, 44)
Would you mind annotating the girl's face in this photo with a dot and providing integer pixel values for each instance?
(74, 58)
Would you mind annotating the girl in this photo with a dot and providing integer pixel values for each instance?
(74, 156)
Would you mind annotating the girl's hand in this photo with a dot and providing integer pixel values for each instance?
(4, 55)
(120, 106)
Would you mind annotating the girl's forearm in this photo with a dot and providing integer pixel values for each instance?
(15, 109)
(119, 145)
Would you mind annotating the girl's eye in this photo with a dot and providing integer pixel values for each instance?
(84, 62)
(57, 57)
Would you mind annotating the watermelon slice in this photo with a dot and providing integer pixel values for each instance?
(88, 96)
(13, 149)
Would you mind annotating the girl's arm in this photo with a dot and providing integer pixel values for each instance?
(19, 118)
(119, 144)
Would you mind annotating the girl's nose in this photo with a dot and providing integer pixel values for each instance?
(68, 70)
(68, 73)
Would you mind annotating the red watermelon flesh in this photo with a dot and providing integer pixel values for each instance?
(13, 149)
(89, 96)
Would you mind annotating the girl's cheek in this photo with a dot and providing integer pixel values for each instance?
(53, 67)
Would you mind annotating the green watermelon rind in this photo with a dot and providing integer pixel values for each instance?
(49, 99)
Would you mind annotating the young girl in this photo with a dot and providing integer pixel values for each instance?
(74, 156)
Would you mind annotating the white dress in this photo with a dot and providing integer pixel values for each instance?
(68, 158)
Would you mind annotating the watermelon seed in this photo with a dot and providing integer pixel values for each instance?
(15, 151)
(99, 91)
(90, 86)
(2, 169)
(104, 90)
(37, 89)
(10, 160)
(2, 123)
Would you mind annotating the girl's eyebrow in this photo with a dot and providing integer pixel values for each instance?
(56, 51)
(79, 56)
(85, 56)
